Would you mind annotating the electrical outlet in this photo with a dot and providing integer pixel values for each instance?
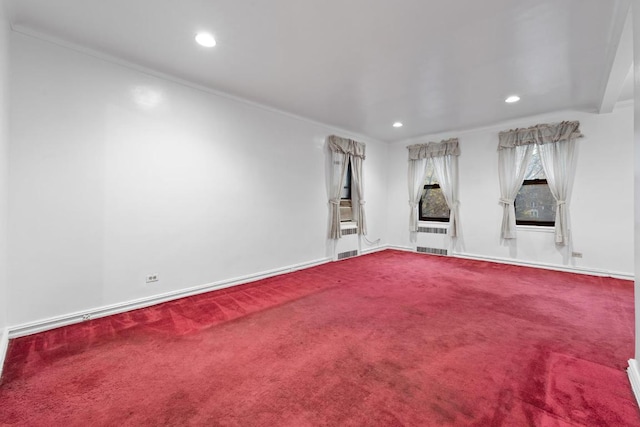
(576, 254)
(86, 317)
(151, 278)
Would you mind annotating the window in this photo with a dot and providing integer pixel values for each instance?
(346, 188)
(346, 208)
(347, 158)
(433, 206)
(535, 205)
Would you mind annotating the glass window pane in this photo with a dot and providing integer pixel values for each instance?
(345, 193)
(535, 203)
(430, 177)
(346, 188)
(534, 168)
(433, 204)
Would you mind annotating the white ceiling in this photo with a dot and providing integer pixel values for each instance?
(361, 64)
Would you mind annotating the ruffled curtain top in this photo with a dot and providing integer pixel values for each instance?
(346, 146)
(449, 147)
(540, 134)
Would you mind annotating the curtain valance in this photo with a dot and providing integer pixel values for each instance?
(448, 147)
(540, 134)
(346, 146)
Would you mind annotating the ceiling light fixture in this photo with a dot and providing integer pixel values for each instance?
(397, 125)
(512, 99)
(205, 39)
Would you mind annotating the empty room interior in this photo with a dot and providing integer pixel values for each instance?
(319, 213)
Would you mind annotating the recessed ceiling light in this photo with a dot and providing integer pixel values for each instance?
(205, 39)
(512, 99)
(397, 125)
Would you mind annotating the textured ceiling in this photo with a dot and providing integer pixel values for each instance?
(361, 64)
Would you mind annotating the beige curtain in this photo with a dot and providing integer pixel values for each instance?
(540, 134)
(358, 200)
(339, 162)
(449, 147)
(343, 151)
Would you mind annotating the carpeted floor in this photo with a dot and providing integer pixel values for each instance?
(387, 339)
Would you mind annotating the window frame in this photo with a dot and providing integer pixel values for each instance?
(347, 182)
(531, 222)
(428, 218)
(346, 203)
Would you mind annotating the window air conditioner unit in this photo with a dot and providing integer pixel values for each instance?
(346, 210)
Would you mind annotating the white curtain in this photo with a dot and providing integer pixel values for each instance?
(557, 146)
(512, 166)
(344, 151)
(444, 154)
(446, 170)
(559, 163)
(417, 175)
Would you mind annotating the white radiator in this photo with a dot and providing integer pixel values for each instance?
(349, 243)
(433, 240)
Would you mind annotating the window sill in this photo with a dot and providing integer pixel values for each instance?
(536, 228)
(434, 224)
(348, 225)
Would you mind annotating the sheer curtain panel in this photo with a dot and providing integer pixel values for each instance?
(358, 201)
(444, 155)
(343, 151)
(339, 162)
(446, 170)
(417, 175)
(559, 163)
(512, 166)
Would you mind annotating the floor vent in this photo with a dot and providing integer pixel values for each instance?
(434, 251)
(347, 231)
(349, 254)
(434, 230)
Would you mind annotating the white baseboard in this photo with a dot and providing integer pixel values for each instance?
(374, 249)
(543, 265)
(4, 347)
(402, 248)
(71, 318)
(547, 266)
(108, 310)
(634, 378)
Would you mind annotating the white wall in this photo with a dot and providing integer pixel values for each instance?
(107, 187)
(4, 145)
(601, 206)
(117, 174)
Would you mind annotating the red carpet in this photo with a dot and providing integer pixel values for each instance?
(388, 339)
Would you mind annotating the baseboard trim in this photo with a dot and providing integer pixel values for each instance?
(402, 248)
(547, 266)
(69, 319)
(77, 317)
(373, 250)
(634, 378)
(4, 347)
